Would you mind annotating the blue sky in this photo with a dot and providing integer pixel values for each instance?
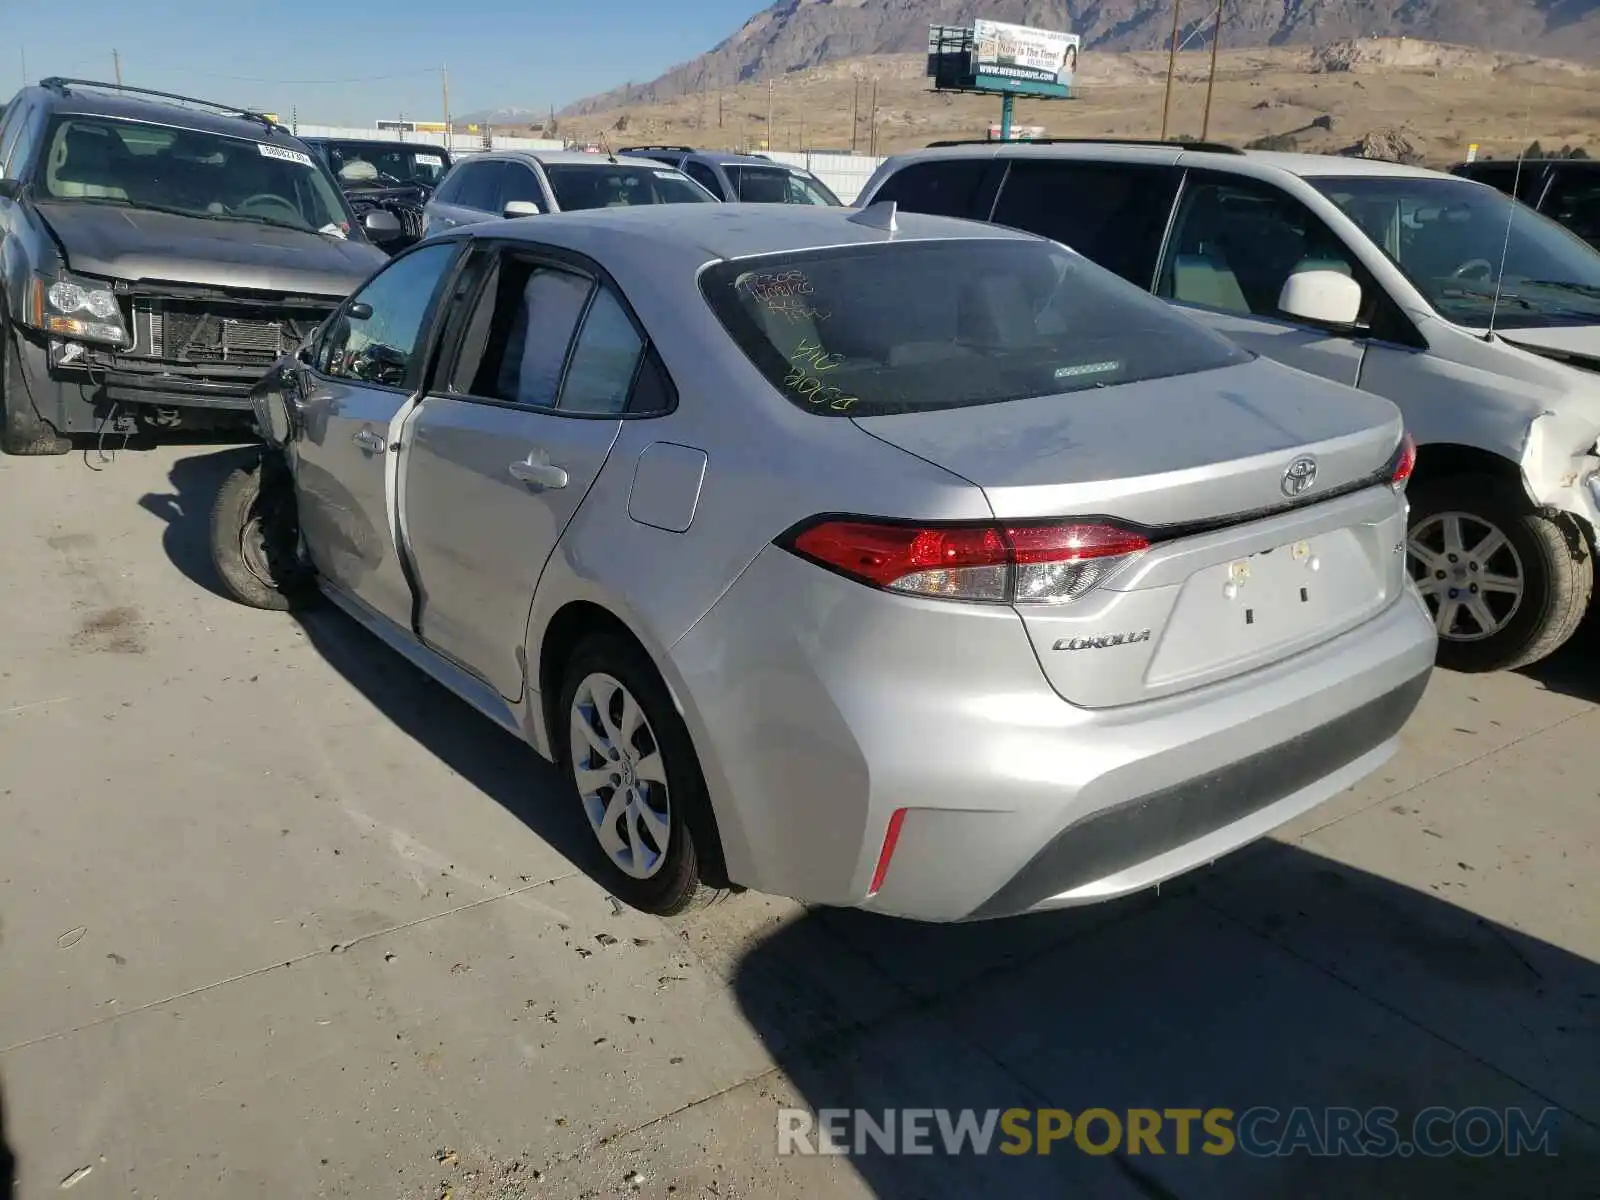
(532, 54)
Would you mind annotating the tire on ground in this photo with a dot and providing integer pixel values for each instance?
(22, 432)
(1556, 561)
(258, 499)
(683, 883)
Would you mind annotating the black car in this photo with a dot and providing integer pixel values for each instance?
(397, 177)
(1567, 190)
(159, 253)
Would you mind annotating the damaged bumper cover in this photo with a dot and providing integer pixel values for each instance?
(1561, 465)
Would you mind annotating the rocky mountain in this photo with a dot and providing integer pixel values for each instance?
(792, 35)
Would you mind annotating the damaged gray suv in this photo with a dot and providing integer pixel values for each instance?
(159, 253)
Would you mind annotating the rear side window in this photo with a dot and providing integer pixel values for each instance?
(1574, 201)
(942, 189)
(911, 326)
(1112, 214)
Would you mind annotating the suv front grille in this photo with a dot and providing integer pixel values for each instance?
(201, 334)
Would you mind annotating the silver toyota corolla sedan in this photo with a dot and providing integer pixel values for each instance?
(885, 561)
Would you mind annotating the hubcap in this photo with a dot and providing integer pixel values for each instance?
(1469, 573)
(616, 764)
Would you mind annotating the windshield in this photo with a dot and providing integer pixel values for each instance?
(776, 185)
(385, 164)
(910, 326)
(1449, 237)
(605, 185)
(206, 175)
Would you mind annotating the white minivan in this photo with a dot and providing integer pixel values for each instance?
(1479, 318)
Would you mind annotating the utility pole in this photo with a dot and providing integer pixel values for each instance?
(1172, 71)
(772, 138)
(1211, 84)
(719, 108)
(445, 78)
(872, 126)
(116, 65)
(855, 116)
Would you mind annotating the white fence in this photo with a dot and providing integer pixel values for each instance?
(845, 174)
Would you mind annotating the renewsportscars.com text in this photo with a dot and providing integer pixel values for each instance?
(1259, 1132)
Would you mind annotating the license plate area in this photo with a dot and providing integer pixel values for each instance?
(1252, 609)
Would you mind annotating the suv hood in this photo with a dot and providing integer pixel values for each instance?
(138, 244)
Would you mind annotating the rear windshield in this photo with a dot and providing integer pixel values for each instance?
(902, 327)
(579, 185)
(778, 185)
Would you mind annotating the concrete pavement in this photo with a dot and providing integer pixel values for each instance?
(279, 917)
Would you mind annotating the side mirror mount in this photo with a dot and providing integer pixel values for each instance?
(1322, 297)
(9, 189)
(381, 225)
(358, 310)
(521, 208)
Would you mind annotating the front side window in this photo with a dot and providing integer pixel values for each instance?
(519, 184)
(189, 173)
(10, 127)
(16, 158)
(380, 344)
(1235, 243)
(1450, 237)
(1114, 215)
(601, 185)
(898, 327)
(479, 187)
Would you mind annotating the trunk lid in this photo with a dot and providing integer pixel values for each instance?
(1255, 555)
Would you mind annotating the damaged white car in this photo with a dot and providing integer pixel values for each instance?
(1477, 316)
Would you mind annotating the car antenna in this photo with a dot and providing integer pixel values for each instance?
(878, 216)
(1511, 216)
(605, 144)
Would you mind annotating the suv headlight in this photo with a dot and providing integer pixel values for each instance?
(84, 309)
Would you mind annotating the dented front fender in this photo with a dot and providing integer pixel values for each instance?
(1561, 465)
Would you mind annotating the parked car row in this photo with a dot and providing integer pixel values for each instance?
(895, 556)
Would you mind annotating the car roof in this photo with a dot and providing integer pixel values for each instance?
(328, 139)
(554, 157)
(90, 102)
(1303, 165)
(722, 231)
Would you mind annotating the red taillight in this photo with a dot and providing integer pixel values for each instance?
(890, 839)
(1024, 563)
(1405, 462)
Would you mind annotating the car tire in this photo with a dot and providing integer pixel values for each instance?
(604, 675)
(1538, 561)
(255, 538)
(22, 432)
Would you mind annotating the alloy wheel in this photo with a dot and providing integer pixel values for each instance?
(620, 776)
(1469, 573)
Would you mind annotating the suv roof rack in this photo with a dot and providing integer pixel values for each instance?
(674, 149)
(63, 86)
(1199, 147)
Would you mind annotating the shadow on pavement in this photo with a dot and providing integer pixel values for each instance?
(1573, 670)
(1281, 980)
(186, 509)
(8, 1161)
(487, 757)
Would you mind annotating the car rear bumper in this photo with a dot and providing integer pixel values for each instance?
(821, 707)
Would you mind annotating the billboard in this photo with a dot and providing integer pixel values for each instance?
(992, 56)
(1019, 58)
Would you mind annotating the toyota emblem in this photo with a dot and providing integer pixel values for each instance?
(1299, 476)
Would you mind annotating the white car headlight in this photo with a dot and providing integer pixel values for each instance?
(83, 310)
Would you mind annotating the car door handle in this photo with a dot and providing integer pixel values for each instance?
(539, 474)
(368, 440)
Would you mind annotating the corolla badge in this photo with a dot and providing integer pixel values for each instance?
(1299, 476)
(1104, 641)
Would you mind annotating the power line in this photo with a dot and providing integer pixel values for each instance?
(298, 82)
